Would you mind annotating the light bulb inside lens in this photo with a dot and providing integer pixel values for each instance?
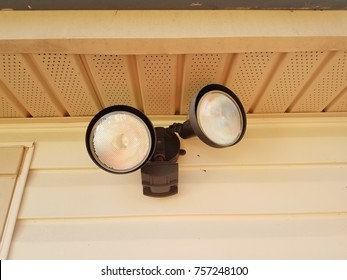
(121, 141)
(219, 118)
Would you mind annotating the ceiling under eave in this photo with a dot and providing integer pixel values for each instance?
(55, 85)
(46, 80)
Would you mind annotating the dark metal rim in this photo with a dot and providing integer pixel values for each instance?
(193, 113)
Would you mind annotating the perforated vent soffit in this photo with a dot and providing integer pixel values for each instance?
(56, 85)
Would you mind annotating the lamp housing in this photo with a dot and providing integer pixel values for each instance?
(216, 116)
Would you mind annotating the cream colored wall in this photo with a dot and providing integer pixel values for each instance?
(280, 193)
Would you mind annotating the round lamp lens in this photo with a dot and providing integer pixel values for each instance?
(219, 118)
(120, 142)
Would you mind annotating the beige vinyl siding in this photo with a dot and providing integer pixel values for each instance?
(280, 193)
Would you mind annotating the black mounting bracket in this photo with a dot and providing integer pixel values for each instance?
(160, 175)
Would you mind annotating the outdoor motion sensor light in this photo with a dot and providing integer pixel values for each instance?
(216, 116)
(120, 139)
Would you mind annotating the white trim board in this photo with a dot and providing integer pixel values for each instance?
(16, 202)
(138, 32)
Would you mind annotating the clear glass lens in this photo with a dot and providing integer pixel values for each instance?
(219, 118)
(121, 141)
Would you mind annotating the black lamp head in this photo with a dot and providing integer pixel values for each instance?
(120, 139)
(217, 116)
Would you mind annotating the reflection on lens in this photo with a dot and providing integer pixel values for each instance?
(121, 141)
(219, 118)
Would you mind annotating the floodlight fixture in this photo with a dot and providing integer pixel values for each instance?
(216, 116)
(121, 139)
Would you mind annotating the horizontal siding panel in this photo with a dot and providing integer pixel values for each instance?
(220, 190)
(266, 142)
(206, 237)
(271, 150)
(10, 160)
